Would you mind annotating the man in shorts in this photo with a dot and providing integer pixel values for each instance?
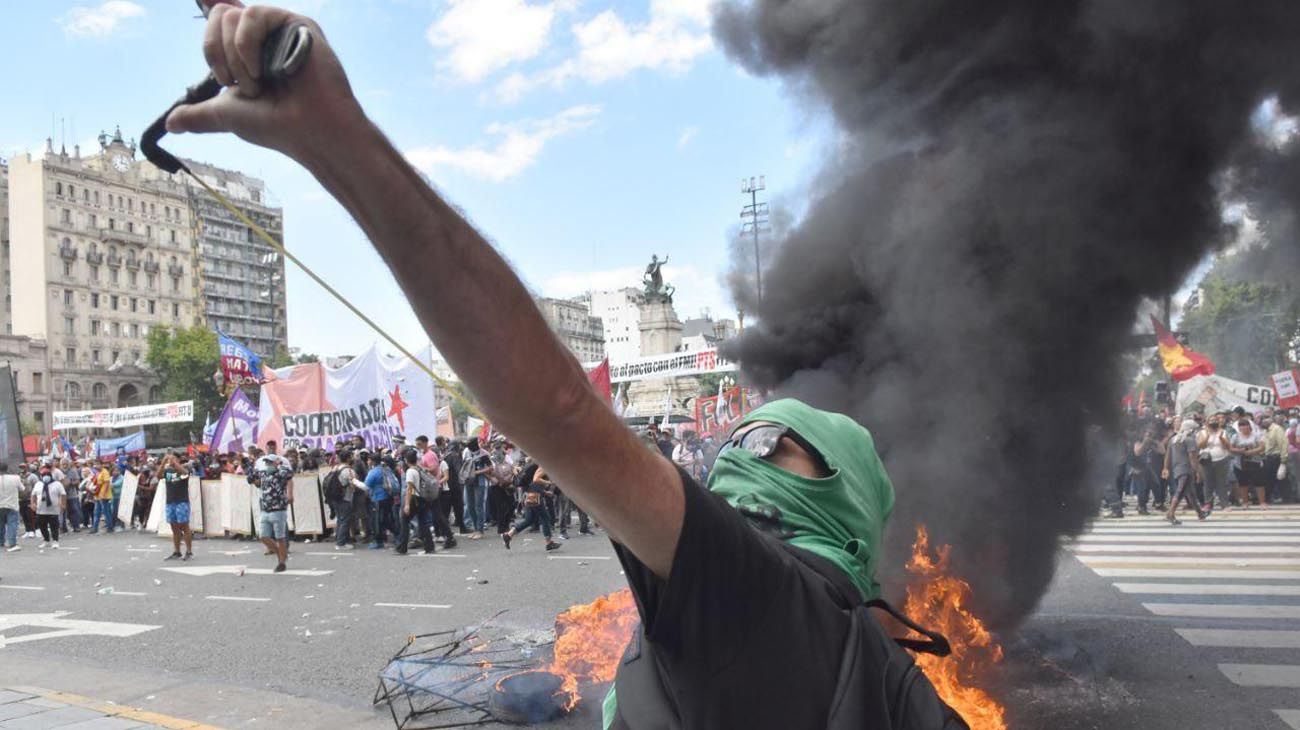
(273, 476)
(176, 481)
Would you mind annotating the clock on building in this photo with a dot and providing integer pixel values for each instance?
(121, 163)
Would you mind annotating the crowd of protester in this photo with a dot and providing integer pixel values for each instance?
(424, 494)
(1208, 462)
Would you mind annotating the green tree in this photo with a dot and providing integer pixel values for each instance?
(1242, 321)
(185, 359)
(30, 427)
(307, 357)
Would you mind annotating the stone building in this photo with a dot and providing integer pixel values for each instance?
(28, 359)
(572, 320)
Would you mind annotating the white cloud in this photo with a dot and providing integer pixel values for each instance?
(519, 145)
(99, 21)
(611, 48)
(686, 136)
(483, 36)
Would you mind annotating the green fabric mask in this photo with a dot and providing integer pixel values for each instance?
(840, 517)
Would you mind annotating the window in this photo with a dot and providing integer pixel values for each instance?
(67, 297)
(112, 275)
(134, 304)
(148, 232)
(66, 216)
(112, 302)
(40, 419)
(92, 219)
(96, 197)
(94, 360)
(152, 209)
(67, 268)
(85, 195)
(117, 330)
(72, 389)
(152, 307)
(70, 356)
(176, 283)
(94, 274)
(130, 204)
(144, 330)
(130, 226)
(58, 188)
(38, 384)
(72, 192)
(135, 330)
(94, 300)
(152, 280)
(99, 391)
(176, 310)
(173, 235)
(112, 224)
(132, 278)
(119, 201)
(69, 326)
(94, 326)
(117, 355)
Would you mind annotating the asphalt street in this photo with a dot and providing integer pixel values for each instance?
(1146, 625)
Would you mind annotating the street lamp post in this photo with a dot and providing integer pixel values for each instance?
(754, 219)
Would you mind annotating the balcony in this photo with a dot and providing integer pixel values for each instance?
(175, 269)
(133, 263)
(115, 260)
(112, 235)
(68, 251)
(94, 257)
(151, 266)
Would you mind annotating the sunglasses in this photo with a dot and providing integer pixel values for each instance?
(762, 441)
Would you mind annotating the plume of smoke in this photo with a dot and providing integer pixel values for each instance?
(1020, 176)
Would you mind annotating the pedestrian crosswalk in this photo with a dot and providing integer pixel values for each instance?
(1231, 584)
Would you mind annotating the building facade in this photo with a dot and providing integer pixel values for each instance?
(240, 277)
(99, 254)
(6, 324)
(28, 359)
(619, 311)
(572, 320)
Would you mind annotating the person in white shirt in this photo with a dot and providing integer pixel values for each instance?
(10, 487)
(49, 500)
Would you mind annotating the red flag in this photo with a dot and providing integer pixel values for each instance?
(599, 379)
(1180, 362)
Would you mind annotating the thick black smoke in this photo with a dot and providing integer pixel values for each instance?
(1020, 175)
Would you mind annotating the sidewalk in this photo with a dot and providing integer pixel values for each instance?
(33, 708)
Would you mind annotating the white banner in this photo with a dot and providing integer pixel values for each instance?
(125, 417)
(1217, 393)
(671, 365)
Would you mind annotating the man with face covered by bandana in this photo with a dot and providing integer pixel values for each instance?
(746, 589)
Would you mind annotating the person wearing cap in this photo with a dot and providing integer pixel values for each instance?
(747, 588)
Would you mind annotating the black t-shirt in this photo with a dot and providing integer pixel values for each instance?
(178, 487)
(742, 634)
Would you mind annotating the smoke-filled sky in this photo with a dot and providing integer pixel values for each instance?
(1016, 178)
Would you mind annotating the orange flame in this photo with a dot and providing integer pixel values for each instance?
(590, 639)
(936, 600)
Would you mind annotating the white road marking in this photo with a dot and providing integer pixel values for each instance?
(206, 570)
(578, 557)
(1242, 638)
(22, 588)
(414, 605)
(61, 627)
(1202, 589)
(1263, 675)
(1290, 717)
(1173, 560)
(1223, 610)
(1198, 549)
(126, 593)
(1195, 573)
(237, 598)
(1163, 536)
(237, 552)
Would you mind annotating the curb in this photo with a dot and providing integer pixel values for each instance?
(115, 710)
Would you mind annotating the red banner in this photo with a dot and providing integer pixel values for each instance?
(718, 419)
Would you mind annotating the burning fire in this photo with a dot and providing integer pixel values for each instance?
(590, 639)
(936, 600)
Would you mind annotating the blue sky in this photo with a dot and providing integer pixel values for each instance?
(579, 135)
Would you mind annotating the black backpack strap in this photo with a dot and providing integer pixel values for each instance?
(937, 645)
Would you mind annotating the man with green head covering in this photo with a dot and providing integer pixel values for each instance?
(749, 591)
